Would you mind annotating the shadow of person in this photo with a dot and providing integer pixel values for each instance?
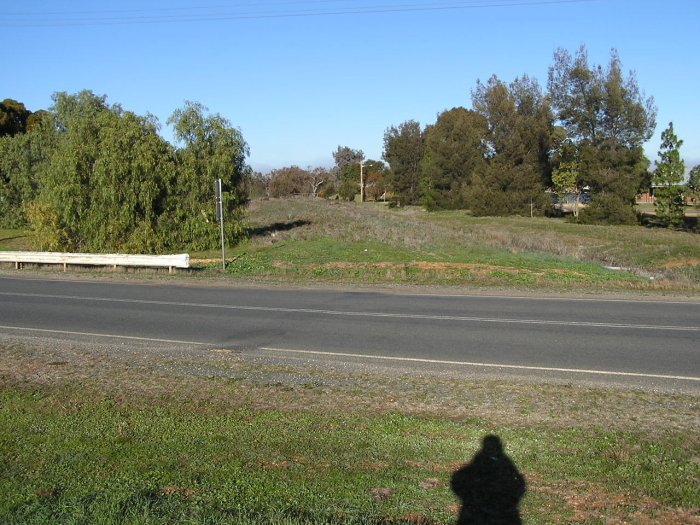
(489, 487)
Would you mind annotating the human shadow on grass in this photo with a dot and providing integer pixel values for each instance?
(489, 487)
(261, 231)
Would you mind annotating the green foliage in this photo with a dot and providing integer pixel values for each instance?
(404, 147)
(454, 153)
(92, 177)
(104, 186)
(520, 129)
(597, 105)
(668, 179)
(13, 117)
(565, 177)
(22, 159)
(347, 171)
(210, 148)
(607, 119)
(694, 179)
(519, 138)
(349, 188)
(608, 208)
(502, 192)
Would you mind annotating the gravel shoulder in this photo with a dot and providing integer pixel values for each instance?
(271, 380)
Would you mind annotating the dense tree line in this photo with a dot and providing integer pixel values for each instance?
(499, 156)
(89, 176)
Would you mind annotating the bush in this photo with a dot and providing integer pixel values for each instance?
(608, 208)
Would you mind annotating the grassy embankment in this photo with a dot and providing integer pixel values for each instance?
(317, 240)
(97, 436)
(15, 240)
(314, 240)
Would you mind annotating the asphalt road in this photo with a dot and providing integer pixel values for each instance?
(651, 342)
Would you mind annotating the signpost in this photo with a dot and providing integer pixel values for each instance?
(220, 217)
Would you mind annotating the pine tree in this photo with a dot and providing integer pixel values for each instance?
(668, 179)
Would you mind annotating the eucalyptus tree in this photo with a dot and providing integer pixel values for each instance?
(608, 118)
(291, 180)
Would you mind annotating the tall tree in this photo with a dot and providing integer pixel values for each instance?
(608, 119)
(455, 152)
(668, 180)
(13, 117)
(210, 148)
(347, 171)
(23, 159)
(104, 185)
(519, 140)
(404, 147)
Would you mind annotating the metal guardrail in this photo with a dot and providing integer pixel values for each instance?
(93, 259)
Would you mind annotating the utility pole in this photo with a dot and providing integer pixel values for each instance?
(220, 216)
(362, 182)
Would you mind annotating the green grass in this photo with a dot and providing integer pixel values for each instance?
(114, 435)
(71, 456)
(14, 240)
(317, 240)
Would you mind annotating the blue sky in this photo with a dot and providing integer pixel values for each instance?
(300, 78)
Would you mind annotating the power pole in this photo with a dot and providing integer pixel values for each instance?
(220, 216)
(362, 182)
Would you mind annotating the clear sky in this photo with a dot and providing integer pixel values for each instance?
(300, 78)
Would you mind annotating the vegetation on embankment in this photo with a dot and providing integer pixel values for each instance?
(308, 240)
(328, 241)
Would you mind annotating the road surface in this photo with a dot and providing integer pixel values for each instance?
(654, 343)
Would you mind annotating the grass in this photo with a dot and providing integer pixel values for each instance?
(14, 240)
(318, 240)
(94, 437)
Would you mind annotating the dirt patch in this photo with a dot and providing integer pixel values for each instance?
(591, 503)
(679, 263)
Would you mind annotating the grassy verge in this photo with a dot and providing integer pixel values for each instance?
(94, 437)
(317, 240)
(14, 240)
